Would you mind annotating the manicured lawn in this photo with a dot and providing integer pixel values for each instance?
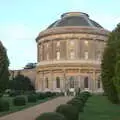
(18, 108)
(99, 108)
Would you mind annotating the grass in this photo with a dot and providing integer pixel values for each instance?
(18, 108)
(99, 108)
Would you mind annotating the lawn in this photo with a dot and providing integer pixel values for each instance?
(18, 108)
(99, 108)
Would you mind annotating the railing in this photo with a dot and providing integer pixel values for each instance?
(69, 61)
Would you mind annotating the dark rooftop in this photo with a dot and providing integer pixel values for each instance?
(74, 19)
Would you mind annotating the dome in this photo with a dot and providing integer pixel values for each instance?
(75, 19)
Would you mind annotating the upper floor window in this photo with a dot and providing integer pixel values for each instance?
(47, 56)
(58, 43)
(98, 56)
(86, 42)
(58, 55)
(72, 55)
(86, 55)
(47, 45)
(72, 42)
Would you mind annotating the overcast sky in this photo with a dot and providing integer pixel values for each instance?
(22, 20)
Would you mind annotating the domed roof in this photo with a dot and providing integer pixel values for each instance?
(75, 19)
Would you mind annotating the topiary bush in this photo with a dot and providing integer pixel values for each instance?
(32, 98)
(19, 101)
(4, 105)
(69, 111)
(77, 103)
(41, 96)
(51, 116)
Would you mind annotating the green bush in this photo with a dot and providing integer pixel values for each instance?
(77, 103)
(41, 96)
(32, 98)
(69, 111)
(4, 105)
(51, 116)
(14, 93)
(19, 101)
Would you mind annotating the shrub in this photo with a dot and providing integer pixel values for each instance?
(69, 111)
(51, 116)
(4, 105)
(19, 101)
(41, 96)
(77, 103)
(48, 94)
(14, 93)
(32, 98)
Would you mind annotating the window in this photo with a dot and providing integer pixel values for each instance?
(72, 55)
(57, 82)
(86, 55)
(98, 56)
(46, 82)
(47, 45)
(71, 82)
(58, 55)
(86, 82)
(47, 56)
(98, 84)
(86, 42)
(72, 42)
(58, 43)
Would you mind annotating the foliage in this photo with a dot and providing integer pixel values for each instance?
(99, 108)
(21, 83)
(32, 98)
(4, 73)
(4, 105)
(19, 101)
(108, 65)
(69, 111)
(51, 116)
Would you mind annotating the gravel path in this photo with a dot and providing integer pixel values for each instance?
(35, 111)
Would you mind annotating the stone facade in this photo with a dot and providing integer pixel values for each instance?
(69, 57)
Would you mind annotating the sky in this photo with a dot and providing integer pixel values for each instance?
(22, 20)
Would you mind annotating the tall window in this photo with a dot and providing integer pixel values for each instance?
(86, 82)
(98, 56)
(86, 42)
(98, 82)
(46, 82)
(72, 55)
(57, 82)
(86, 55)
(47, 56)
(71, 82)
(58, 43)
(58, 55)
(72, 42)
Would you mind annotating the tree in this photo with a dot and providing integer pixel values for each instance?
(108, 66)
(21, 83)
(4, 73)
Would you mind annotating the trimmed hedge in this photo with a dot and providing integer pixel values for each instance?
(32, 98)
(19, 101)
(4, 105)
(51, 116)
(69, 111)
(77, 103)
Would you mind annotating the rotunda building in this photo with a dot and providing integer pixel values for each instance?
(69, 54)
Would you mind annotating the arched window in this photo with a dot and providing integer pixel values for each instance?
(86, 82)
(57, 82)
(46, 82)
(71, 82)
(98, 82)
